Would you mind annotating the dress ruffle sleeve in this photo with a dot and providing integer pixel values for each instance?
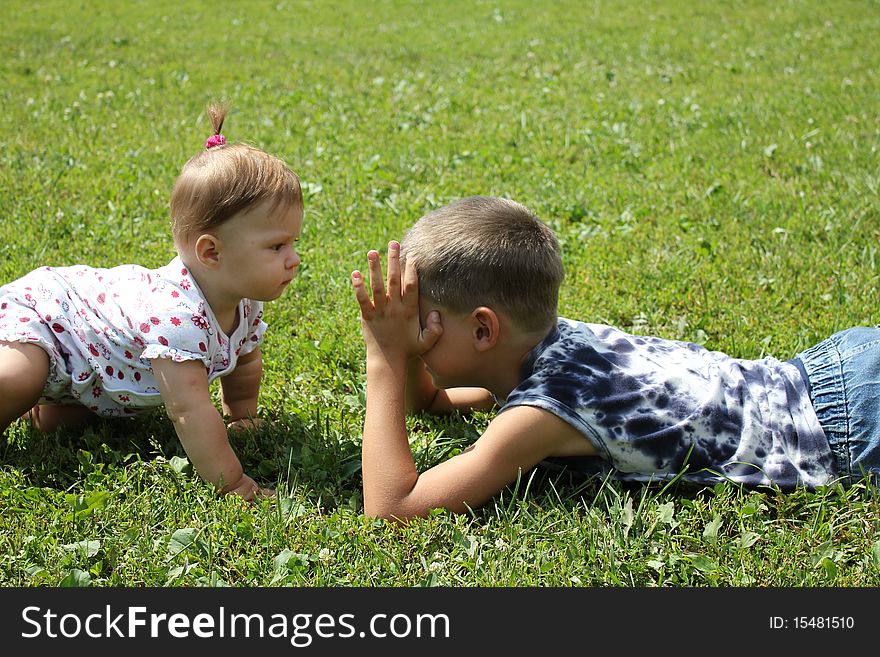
(178, 335)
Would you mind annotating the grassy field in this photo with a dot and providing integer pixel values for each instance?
(712, 172)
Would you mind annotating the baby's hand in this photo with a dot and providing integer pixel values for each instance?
(245, 424)
(264, 493)
(390, 319)
(247, 489)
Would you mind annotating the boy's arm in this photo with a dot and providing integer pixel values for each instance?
(515, 441)
(240, 389)
(186, 395)
(423, 395)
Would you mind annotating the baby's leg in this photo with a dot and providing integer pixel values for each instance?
(24, 369)
(48, 417)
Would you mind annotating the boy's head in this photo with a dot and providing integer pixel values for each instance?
(226, 179)
(488, 251)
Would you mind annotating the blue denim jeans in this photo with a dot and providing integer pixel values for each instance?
(843, 376)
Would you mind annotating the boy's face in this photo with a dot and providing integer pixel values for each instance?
(451, 360)
(258, 257)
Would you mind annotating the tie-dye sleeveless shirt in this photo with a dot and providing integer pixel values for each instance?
(656, 408)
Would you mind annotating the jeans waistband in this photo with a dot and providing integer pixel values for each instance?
(798, 363)
(820, 367)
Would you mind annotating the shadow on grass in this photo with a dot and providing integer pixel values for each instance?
(288, 451)
(317, 454)
(55, 460)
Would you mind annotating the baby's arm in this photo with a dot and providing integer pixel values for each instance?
(186, 395)
(240, 390)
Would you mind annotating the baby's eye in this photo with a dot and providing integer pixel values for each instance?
(278, 247)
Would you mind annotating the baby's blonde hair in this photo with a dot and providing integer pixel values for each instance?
(226, 179)
(488, 251)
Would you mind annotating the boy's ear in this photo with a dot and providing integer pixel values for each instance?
(208, 250)
(485, 328)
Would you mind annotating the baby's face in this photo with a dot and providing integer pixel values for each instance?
(258, 253)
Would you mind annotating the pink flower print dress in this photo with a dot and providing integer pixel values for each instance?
(101, 328)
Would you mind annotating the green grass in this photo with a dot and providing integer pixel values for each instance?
(711, 169)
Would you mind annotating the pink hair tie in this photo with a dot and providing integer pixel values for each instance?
(215, 140)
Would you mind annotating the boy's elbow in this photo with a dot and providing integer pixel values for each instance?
(386, 512)
(397, 502)
(376, 511)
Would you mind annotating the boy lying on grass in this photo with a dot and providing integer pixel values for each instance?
(468, 321)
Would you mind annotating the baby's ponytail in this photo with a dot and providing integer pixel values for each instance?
(217, 113)
(225, 179)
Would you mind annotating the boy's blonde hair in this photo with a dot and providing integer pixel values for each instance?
(226, 179)
(488, 251)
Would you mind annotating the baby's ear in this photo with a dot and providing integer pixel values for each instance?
(207, 250)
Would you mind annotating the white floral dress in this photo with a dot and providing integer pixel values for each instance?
(102, 327)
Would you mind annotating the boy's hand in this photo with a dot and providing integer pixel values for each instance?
(390, 320)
